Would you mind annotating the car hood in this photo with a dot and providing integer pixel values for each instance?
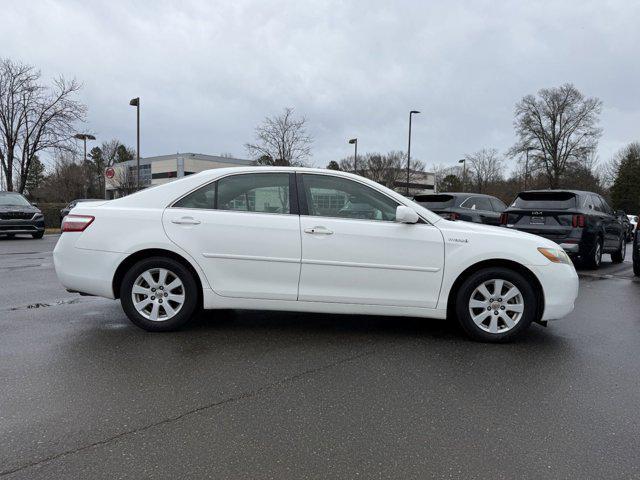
(19, 208)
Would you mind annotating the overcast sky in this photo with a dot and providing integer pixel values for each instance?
(209, 71)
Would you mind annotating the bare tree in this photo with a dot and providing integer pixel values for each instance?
(33, 118)
(440, 172)
(558, 127)
(281, 140)
(483, 168)
(387, 169)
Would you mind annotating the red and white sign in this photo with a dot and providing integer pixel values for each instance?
(109, 172)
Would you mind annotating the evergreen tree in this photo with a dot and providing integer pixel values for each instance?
(625, 192)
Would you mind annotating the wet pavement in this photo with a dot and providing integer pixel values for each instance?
(84, 394)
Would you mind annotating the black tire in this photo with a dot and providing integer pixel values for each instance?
(190, 291)
(38, 235)
(594, 258)
(468, 287)
(618, 255)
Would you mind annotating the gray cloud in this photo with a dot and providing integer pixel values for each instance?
(208, 72)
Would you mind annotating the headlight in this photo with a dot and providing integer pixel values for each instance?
(555, 255)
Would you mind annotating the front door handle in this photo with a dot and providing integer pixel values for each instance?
(185, 221)
(318, 231)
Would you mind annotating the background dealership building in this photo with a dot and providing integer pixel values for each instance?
(163, 169)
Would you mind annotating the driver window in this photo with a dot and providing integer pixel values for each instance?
(329, 196)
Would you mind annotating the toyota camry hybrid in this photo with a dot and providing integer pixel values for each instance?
(307, 240)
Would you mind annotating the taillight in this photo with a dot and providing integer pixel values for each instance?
(504, 218)
(578, 221)
(76, 223)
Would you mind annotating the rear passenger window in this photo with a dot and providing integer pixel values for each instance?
(597, 204)
(477, 203)
(498, 206)
(261, 192)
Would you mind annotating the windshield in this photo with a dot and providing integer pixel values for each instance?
(435, 202)
(13, 199)
(545, 200)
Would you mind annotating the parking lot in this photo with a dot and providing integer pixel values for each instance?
(282, 395)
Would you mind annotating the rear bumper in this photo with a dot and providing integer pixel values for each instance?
(560, 287)
(572, 248)
(90, 272)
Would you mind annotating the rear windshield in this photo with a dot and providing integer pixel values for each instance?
(545, 200)
(435, 201)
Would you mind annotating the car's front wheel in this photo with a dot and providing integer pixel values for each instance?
(495, 305)
(159, 294)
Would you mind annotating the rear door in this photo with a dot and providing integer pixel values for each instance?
(244, 231)
(612, 225)
(548, 214)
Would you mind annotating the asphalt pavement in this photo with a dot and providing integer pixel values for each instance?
(84, 394)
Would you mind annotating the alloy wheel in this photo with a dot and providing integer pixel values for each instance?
(496, 306)
(158, 294)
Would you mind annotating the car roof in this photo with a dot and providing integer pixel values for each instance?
(560, 190)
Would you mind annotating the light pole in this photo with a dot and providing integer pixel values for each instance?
(464, 171)
(135, 102)
(354, 141)
(409, 149)
(84, 137)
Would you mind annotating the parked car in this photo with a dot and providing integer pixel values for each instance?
(18, 215)
(633, 220)
(636, 253)
(65, 211)
(280, 238)
(470, 207)
(582, 223)
(626, 225)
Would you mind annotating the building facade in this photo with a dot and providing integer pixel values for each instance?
(163, 169)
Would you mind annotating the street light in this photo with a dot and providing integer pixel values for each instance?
(135, 102)
(354, 141)
(464, 171)
(84, 137)
(409, 148)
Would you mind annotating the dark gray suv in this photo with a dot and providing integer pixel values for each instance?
(18, 215)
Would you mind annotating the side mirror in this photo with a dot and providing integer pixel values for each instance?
(406, 215)
(34, 204)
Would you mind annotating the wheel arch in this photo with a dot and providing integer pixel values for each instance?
(132, 259)
(497, 262)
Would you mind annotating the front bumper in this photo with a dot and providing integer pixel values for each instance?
(13, 226)
(560, 287)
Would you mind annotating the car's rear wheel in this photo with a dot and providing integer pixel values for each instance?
(159, 294)
(618, 255)
(495, 305)
(594, 258)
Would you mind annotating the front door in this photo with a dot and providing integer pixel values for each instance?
(353, 251)
(244, 233)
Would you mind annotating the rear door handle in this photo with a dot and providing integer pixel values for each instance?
(318, 231)
(185, 221)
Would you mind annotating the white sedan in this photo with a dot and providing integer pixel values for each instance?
(307, 240)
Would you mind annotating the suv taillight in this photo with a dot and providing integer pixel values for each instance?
(578, 221)
(76, 223)
(504, 218)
